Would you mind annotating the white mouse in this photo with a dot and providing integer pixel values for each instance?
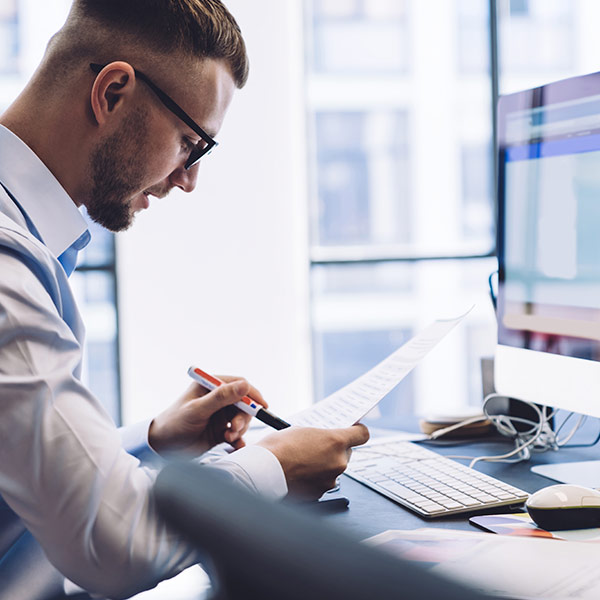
(565, 506)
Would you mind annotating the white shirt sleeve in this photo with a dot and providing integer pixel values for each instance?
(258, 469)
(134, 439)
(254, 467)
(63, 469)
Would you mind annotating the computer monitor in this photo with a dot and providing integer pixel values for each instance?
(548, 307)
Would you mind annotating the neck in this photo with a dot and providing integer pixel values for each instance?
(54, 136)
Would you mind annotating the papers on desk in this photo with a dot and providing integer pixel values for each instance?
(352, 402)
(520, 524)
(514, 567)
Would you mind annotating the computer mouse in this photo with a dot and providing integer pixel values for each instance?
(565, 506)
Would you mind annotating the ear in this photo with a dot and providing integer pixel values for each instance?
(112, 87)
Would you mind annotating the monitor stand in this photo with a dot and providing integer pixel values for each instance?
(586, 473)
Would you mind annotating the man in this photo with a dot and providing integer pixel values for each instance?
(129, 96)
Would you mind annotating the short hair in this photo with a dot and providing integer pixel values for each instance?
(201, 29)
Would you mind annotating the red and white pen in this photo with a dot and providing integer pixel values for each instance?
(249, 406)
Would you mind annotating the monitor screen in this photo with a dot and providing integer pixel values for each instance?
(549, 245)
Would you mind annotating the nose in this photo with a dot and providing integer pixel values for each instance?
(185, 180)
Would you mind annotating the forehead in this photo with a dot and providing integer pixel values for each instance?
(205, 89)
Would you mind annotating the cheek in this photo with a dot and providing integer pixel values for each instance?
(159, 164)
(162, 153)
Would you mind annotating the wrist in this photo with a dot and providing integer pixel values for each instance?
(156, 439)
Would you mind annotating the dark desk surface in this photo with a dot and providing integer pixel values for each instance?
(370, 513)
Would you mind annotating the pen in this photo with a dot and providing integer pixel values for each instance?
(329, 505)
(249, 406)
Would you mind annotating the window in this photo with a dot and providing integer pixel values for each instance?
(473, 38)
(537, 36)
(403, 174)
(95, 285)
(9, 38)
(402, 168)
(349, 351)
(362, 155)
(94, 281)
(477, 182)
(366, 36)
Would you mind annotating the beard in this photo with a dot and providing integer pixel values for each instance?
(117, 167)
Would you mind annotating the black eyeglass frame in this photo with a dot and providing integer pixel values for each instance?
(199, 150)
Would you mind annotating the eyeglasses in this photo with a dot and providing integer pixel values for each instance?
(204, 146)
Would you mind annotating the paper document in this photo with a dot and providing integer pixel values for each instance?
(506, 566)
(520, 524)
(352, 402)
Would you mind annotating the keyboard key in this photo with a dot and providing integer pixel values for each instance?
(430, 506)
(450, 503)
(467, 500)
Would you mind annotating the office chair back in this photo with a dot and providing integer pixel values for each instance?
(271, 551)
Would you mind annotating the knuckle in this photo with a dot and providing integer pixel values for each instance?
(339, 440)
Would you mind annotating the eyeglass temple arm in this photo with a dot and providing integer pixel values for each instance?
(168, 102)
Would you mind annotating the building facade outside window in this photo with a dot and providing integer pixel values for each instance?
(400, 115)
(401, 173)
(9, 37)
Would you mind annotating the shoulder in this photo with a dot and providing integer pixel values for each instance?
(25, 259)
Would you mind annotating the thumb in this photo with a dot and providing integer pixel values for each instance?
(225, 395)
(356, 435)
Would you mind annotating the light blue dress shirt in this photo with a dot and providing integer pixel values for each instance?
(65, 469)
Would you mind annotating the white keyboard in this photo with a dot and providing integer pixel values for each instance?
(426, 482)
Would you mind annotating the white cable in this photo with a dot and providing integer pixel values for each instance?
(567, 438)
(440, 432)
(539, 434)
(539, 438)
(519, 448)
(458, 457)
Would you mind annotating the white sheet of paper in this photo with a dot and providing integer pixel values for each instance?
(508, 566)
(352, 402)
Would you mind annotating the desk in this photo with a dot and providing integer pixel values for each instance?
(370, 513)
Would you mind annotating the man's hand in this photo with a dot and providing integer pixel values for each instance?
(200, 420)
(313, 458)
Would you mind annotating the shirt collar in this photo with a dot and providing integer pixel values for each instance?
(48, 206)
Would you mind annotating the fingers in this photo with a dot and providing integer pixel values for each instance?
(238, 444)
(225, 395)
(312, 458)
(252, 393)
(236, 428)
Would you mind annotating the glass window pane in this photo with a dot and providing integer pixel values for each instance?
(362, 313)
(477, 183)
(538, 41)
(351, 37)
(344, 355)
(9, 37)
(336, 8)
(95, 295)
(473, 37)
(403, 159)
(101, 249)
(362, 156)
(403, 167)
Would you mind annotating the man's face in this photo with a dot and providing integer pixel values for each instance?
(145, 155)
